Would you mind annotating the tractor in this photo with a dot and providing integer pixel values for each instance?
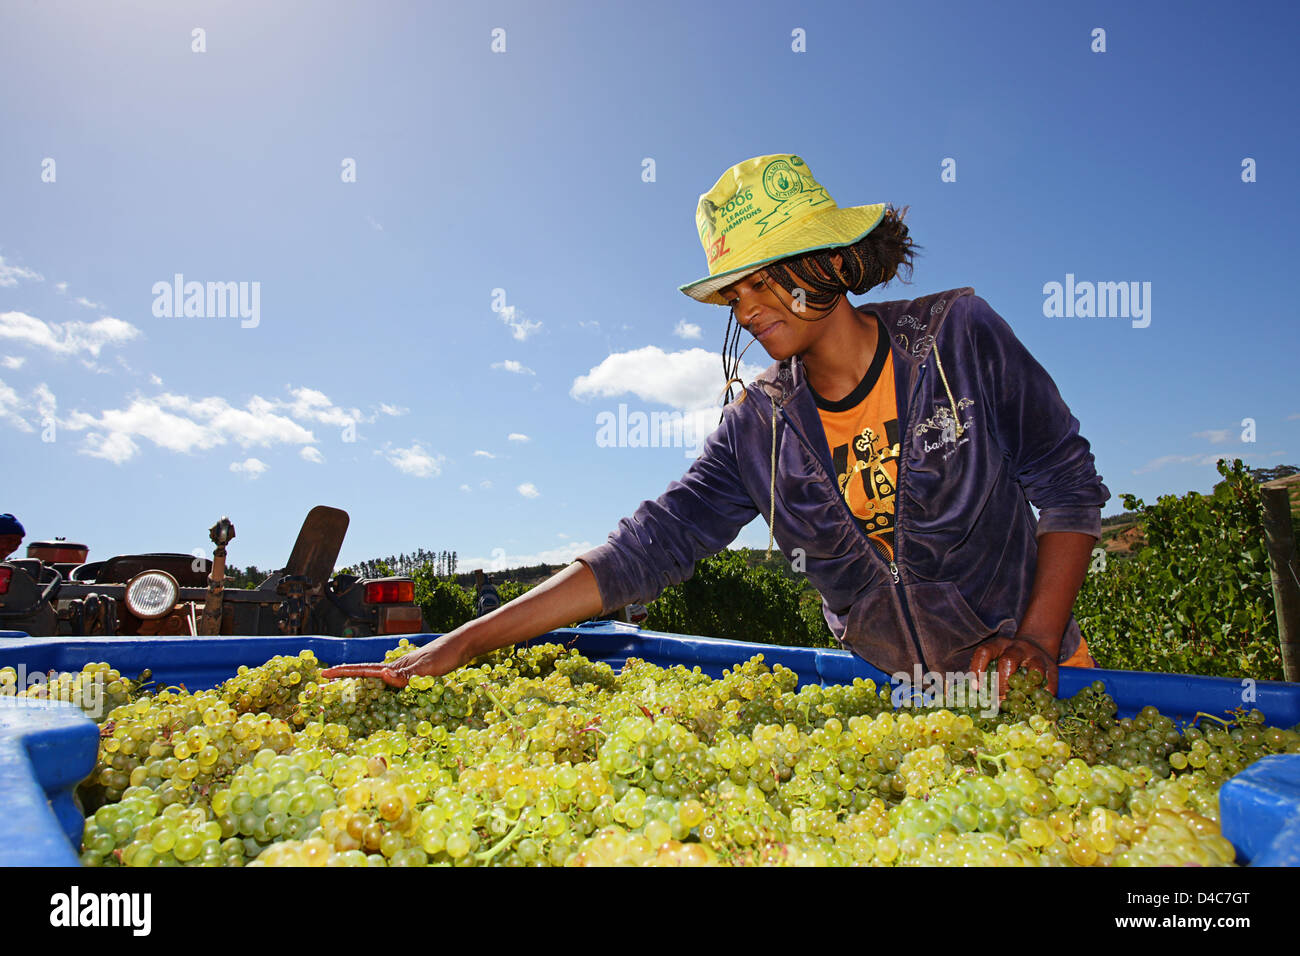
(56, 592)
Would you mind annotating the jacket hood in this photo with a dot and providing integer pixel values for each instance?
(911, 324)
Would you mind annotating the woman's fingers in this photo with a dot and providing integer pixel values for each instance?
(985, 655)
(384, 672)
(1050, 673)
(1011, 655)
(979, 661)
(1009, 662)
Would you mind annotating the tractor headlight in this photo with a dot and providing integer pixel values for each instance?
(151, 594)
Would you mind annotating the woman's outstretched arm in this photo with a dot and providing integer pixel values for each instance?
(569, 596)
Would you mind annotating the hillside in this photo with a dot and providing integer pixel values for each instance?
(1292, 484)
(1120, 534)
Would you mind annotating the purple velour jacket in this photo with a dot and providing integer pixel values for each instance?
(984, 432)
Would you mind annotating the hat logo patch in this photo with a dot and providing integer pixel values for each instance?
(780, 181)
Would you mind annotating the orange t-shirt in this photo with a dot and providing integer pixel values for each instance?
(862, 434)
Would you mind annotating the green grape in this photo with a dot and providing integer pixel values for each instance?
(542, 757)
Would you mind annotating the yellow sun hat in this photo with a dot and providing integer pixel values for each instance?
(765, 209)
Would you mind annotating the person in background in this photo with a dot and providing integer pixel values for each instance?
(11, 536)
(895, 447)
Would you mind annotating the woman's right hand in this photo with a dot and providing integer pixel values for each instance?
(434, 659)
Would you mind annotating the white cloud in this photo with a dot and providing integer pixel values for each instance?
(485, 483)
(520, 327)
(115, 447)
(256, 424)
(687, 330)
(484, 454)
(311, 405)
(312, 454)
(393, 410)
(516, 436)
(593, 324)
(561, 534)
(144, 419)
(14, 409)
(565, 554)
(464, 488)
(510, 365)
(61, 287)
(252, 467)
(183, 424)
(1216, 436)
(1164, 461)
(66, 338)
(414, 461)
(46, 403)
(82, 301)
(9, 275)
(688, 382)
(13, 361)
(528, 490)
(374, 224)
(685, 380)
(10, 406)
(155, 380)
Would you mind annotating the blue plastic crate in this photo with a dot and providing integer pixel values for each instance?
(1260, 807)
(45, 751)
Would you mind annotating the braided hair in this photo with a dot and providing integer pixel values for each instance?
(871, 261)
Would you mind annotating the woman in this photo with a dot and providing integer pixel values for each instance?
(894, 449)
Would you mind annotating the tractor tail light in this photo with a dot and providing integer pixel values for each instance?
(400, 620)
(6, 574)
(390, 592)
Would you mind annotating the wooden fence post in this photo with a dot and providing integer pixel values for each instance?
(1279, 534)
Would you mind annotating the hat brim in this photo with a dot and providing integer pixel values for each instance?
(829, 230)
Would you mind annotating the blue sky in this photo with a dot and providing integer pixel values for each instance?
(386, 375)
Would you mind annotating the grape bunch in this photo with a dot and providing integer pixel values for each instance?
(273, 687)
(541, 757)
(97, 688)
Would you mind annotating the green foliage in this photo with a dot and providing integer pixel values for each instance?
(446, 604)
(1272, 474)
(443, 564)
(247, 579)
(1197, 599)
(509, 590)
(726, 598)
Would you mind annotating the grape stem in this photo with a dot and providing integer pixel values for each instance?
(1200, 714)
(995, 759)
(496, 700)
(504, 842)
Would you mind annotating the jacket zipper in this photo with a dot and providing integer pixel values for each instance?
(898, 494)
(898, 524)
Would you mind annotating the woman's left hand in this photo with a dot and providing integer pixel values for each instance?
(1012, 653)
